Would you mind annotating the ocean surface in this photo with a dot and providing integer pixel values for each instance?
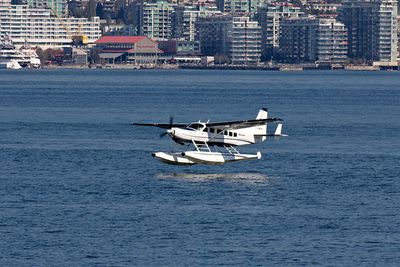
(78, 185)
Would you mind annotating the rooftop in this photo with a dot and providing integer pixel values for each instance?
(120, 39)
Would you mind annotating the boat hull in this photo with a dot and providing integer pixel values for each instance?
(10, 65)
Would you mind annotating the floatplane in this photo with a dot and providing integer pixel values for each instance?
(225, 136)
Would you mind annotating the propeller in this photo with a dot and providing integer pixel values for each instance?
(171, 121)
(163, 134)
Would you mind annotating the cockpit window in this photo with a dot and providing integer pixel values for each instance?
(195, 126)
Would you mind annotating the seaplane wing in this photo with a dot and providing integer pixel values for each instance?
(162, 125)
(242, 124)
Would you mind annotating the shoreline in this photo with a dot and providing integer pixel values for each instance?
(287, 68)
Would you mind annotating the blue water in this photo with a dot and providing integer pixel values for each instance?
(78, 185)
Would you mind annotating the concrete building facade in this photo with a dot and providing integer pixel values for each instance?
(245, 41)
(155, 19)
(372, 29)
(311, 39)
(269, 17)
(239, 6)
(331, 42)
(235, 39)
(184, 19)
(214, 34)
(127, 49)
(37, 26)
(58, 7)
(298, 40)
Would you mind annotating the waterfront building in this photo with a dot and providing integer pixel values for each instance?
(75, 56)
(331, 42)
(127, 49)
(230, 39)
(185, 17)
(155, 19)
(118, 29)
(239, 6)
(245, 42)
(372, 29)
(214, 34)
(398, 38)
(311, 39)
(180, 47)
(298, 39)
(39, 27)
(58, 7)
(269, 17)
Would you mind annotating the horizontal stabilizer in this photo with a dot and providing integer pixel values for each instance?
(278, 132)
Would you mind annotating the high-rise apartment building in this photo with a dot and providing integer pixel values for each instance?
(298, 39)
(58, 7)
(310, 39)
(214, 34)
(238, 6)
(331, 42)
(38, 26)
(155, 19)
(235, 38)
(372, 29)
(245, 42)
(269, 17)
(185, 17)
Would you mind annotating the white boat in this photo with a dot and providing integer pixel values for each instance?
(31, 59)
(13, 64)
(9, 56)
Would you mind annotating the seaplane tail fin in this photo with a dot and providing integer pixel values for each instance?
(262, 129)
(262, 114)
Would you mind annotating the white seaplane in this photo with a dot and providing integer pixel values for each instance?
(225, 135)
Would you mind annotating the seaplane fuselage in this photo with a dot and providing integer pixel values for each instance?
(198, 132)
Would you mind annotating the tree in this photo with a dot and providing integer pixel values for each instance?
(100, 10)
(91, 9)
(121, 14)
(74, 9)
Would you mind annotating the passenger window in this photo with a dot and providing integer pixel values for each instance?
(225, 133)
(230, 133)
(219, 131)
(211, 130)
(234, 134)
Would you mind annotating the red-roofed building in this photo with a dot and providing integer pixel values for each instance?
(127, 49)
